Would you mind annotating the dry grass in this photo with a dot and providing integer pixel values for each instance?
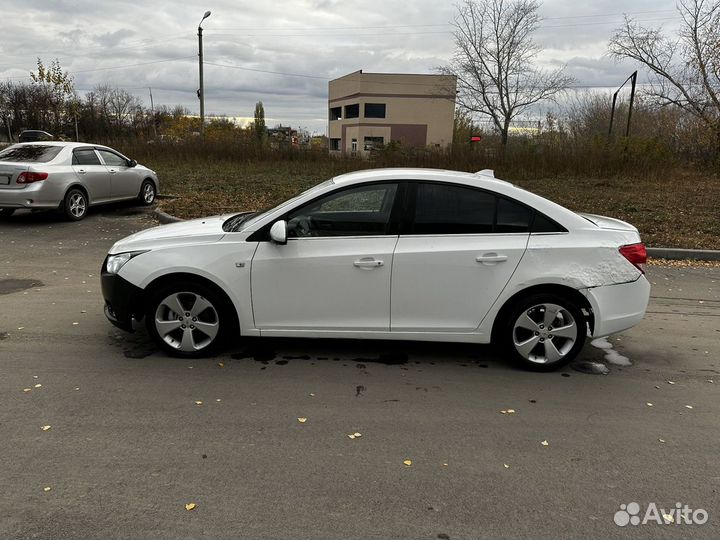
(673, 204)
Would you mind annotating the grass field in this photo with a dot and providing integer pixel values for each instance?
(673, 209)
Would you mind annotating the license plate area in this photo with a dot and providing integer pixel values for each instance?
(4, 180)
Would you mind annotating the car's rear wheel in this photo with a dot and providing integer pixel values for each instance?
(75, 204)
(188, 319)
(6, 212)
(544, 332)
(147, 193)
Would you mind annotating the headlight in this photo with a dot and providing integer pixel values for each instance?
(116, 262)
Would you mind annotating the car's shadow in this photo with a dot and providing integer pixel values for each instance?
(23, 218)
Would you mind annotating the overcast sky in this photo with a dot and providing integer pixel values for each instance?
(103, 41)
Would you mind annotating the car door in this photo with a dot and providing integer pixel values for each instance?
(124, 180)
(333, 273)
(93, 175)
(454, 256)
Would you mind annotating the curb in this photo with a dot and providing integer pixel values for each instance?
(165, 218)
(657, 253)
(683, 254)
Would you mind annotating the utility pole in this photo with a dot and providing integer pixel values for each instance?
(201, 90)
(152, 111)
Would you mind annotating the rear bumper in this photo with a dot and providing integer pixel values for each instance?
(35, 195)
(123, 301)
(618, 307)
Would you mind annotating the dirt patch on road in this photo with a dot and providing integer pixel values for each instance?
(9, 286)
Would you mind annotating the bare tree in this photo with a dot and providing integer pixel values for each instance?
(684, 70)
(493, 60)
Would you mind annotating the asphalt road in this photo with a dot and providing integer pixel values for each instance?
(129, 445)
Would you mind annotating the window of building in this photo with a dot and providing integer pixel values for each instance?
(352, 111)
(374, 110)
(334, 144)
(353, 145)
(335, 113)
(373, 143)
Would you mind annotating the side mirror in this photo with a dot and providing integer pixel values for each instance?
(278, 232)
(132, 163)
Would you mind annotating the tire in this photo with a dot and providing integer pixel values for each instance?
(75, 204)
(195, 331)
(147, 193)
(6, 212)
(534, 339)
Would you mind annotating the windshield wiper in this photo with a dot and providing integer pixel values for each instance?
(232, 224)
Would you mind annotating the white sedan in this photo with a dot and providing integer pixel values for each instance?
(408, 254)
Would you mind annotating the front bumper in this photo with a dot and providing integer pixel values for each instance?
(618, 307)
(123, 300)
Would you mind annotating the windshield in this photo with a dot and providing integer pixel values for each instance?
(38, 153)
(251, 218)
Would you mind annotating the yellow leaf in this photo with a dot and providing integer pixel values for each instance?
(47, 488)
(649, 404)
(408, 462)
(220, 364)
(27, 389)
(661, 440)
(545, 443)
(45, 428)
(38, 385)
(357, 434)
(198, 403)
(302, 420)
(190, 506)
(688, 406)
(511, 411)
(669, 518)
(506, 465)
(351, 436)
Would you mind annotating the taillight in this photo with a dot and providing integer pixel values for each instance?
(636, 254)
(28, 177)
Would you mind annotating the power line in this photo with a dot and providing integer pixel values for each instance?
(114, 67)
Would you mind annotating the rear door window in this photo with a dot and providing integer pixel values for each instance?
(36, 153)
(451, 209)
(512, 217)
(85, 156)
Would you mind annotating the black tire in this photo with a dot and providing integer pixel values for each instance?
(75, 204)
(220, 312)
(540, 344)
(147, 193)
(6, 212)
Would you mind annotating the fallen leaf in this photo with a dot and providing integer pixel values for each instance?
(511, 411)
(190, 506)
(27, 389)
(38, 385)
(688, 406)
(83, 311)
(21, 328)
(649, 404)
(445, 464)
(408, 462)
(506, 465)
(671, 382)
(302, 420)
(35, 376)
(47, 488)
(220, 364)
(218, 400)
(312, 395)
(198, 403)
(661, 440)
(710, 381)
(544, 443)
(351, 436)
(357, 434)
(45, 428)
(669, 518)
(75, 323)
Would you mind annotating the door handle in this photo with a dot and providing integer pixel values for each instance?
(81, 171)
(368, 262)
(491, 258)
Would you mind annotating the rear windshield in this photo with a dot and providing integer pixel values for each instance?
(38, 153)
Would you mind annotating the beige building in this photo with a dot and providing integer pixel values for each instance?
(369, 110)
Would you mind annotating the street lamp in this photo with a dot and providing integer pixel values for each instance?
(201, 91)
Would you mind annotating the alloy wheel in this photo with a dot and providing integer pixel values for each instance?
(77, 205)
(187, 321)
(148, 193)
(545, 333)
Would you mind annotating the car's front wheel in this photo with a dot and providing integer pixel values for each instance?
(75, 204)
(188, 319)
(544, 332)
(147, 193)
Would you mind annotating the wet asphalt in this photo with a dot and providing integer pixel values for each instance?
(135, 435)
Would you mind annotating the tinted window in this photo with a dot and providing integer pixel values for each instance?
(112, 159)
(545, 224)
(374, 110)
(37, 153)
(512, 217)
(352, 111)
(360, 211)
(446, 209)
(86, 156)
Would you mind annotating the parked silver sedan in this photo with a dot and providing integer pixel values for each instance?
(70, 177)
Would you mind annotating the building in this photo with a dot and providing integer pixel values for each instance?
(369, 110)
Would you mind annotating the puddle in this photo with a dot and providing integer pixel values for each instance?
(591, 368)
(389, 359)
(611, 355)
(9, 286)
(259, 355)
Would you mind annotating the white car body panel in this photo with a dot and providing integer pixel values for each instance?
(311, 288)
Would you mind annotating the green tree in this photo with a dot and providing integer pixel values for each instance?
(259, 126)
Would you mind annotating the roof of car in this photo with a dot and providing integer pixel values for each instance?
(60, 143)
(401, 173)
